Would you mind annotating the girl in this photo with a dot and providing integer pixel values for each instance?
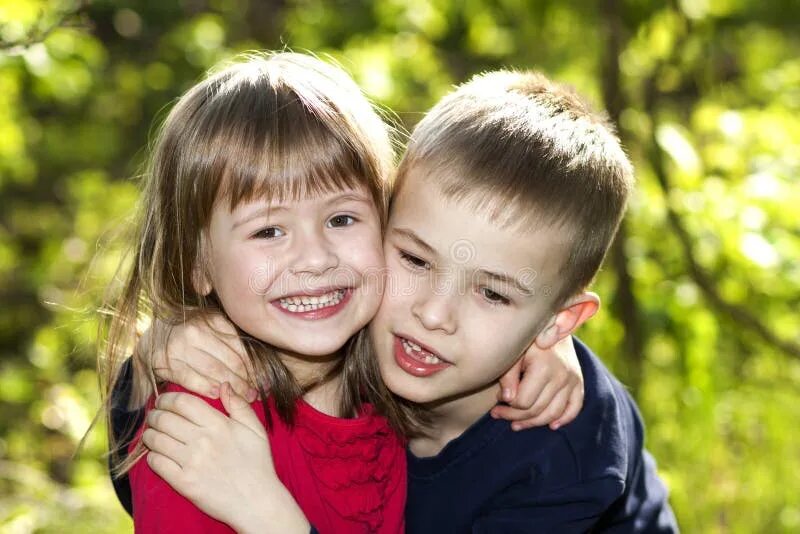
(265, 202)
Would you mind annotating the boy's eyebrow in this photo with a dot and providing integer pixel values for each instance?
(507, 279)
(409, 234)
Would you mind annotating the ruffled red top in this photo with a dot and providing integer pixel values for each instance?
(347, 475)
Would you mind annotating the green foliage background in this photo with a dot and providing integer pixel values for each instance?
(701, 288)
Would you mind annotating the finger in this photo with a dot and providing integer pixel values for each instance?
(189, 407)
(545, 398)
(172, 425)
(549, 414)
(571, 411)
(164, 445)
(509, 382)
(164, 467)
(241, 411)
(531, 388)
(509, 413)
(226, 333)
(190, 378)
(219, 367)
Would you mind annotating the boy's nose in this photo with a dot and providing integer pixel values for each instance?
(436, 312)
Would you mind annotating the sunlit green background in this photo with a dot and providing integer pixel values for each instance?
(701, 291)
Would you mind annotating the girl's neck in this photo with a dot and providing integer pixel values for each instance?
(326, 397)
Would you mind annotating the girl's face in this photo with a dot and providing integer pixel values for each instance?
(303, 275)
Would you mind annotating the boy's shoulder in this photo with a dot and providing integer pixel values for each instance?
(608, 432)
(600, 443)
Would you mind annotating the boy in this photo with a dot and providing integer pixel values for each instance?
(507, 200)
(506, 203)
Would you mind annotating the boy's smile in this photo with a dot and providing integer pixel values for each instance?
(465, 297)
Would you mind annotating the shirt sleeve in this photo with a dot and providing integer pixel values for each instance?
(123, 427)
(571, 509)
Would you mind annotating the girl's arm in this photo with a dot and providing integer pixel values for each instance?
(544, 388)
(223, 465)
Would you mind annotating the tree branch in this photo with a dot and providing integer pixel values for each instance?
(623, 302)
(698, 274)
(39, 33)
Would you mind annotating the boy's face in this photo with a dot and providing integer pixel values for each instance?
(464, 297)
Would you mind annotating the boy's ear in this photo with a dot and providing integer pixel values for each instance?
(201, 279)
(576, 311)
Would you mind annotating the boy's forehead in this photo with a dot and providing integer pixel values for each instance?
(461, 234)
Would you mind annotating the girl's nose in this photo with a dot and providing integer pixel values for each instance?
(315, 256)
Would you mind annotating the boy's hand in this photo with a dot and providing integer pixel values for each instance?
(198, 355)
(550, 390)
(222, 464)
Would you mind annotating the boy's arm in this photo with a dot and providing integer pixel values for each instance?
(199, 355)
(124, 423)
(545, 387)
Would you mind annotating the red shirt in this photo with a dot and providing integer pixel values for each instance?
(347, 475)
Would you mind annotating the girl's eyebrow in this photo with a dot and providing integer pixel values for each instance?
(347, 197)
(272, 208)
(256, 214)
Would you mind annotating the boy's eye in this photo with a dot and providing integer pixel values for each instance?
(270, 232)
(413, 261)
(341, 220)
(493, 297)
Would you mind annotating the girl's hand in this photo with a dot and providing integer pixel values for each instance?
(222, 464)
(199, 355)
(545, 387)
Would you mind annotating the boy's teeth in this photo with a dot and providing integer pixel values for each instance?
(310, 303)
(412, 348)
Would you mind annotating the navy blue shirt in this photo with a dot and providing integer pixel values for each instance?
(590, 475)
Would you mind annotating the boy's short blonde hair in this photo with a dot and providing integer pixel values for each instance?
(530, 153)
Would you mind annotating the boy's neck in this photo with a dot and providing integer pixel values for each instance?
(450, 418)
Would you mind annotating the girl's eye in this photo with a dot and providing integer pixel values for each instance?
(413, 261)
(270, 232)
(341, 220)
(494, 297)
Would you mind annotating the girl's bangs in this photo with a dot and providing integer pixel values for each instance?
(281, 170)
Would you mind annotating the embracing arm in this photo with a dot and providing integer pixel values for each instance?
(545, 387)
(223, 465)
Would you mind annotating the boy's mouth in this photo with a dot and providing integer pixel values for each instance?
(317, 305)
(417, 359)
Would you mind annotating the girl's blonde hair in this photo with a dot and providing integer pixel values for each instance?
(269, 125)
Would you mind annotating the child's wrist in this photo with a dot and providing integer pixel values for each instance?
(279, 514)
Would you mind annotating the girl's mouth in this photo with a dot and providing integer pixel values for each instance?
(312, 307)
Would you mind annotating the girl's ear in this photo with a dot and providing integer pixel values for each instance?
(201, 279)
(576, 311)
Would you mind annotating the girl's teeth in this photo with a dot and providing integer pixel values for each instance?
(310, 303)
